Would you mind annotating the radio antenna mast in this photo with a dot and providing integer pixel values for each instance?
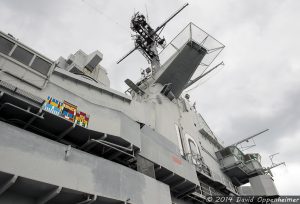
(249, 138)
(147, 17)
(273, 165)
(146, 39)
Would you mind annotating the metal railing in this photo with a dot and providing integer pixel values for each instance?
(197, 160)
(192, 33)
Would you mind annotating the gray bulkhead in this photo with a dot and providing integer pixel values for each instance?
(30, 156)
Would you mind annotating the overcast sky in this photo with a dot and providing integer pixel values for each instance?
(258, 88)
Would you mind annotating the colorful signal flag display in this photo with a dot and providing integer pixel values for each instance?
(53, 106)
(82, 118)
(67, 111)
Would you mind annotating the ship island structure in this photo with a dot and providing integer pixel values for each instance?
(67, 137)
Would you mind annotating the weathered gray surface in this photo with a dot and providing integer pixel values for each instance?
(25, 154)
(181, 68)
(263, 185)
(155, 149)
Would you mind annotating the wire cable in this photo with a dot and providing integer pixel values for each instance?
(97, 10)
(204, 81)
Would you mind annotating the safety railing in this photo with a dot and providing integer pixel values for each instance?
(197, 160)
(194, 34)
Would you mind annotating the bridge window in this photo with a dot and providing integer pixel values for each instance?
(41, 65)
(22, 55)
(5, 45)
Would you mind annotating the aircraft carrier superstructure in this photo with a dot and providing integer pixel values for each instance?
(67, 137)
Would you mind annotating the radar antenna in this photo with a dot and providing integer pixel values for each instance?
(146, 39)
(273, 165)
(247, 140)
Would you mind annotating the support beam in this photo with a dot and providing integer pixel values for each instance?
(49, 196)
(107, 151)
(157, 168)
(113, 145)
(1, 94)
(85, 145)
(167, 177)
(89, 200)
(19, 108)
(8, 184)
(186, 191)
(194, 198)
(179, 184)
(33, 118)
(88, 145)
(115, 155)
(63, 134)
(125, 163)
(116, 147)
(236, 181)
(68, 152)
(127, 201)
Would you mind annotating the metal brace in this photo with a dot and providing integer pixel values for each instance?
(68, 152)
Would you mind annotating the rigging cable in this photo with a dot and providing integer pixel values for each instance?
(95, 8)
(200, 83)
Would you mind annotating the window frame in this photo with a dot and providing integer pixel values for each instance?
(179, 139)
(189, 139)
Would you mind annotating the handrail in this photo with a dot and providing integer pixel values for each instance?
(17, 107)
